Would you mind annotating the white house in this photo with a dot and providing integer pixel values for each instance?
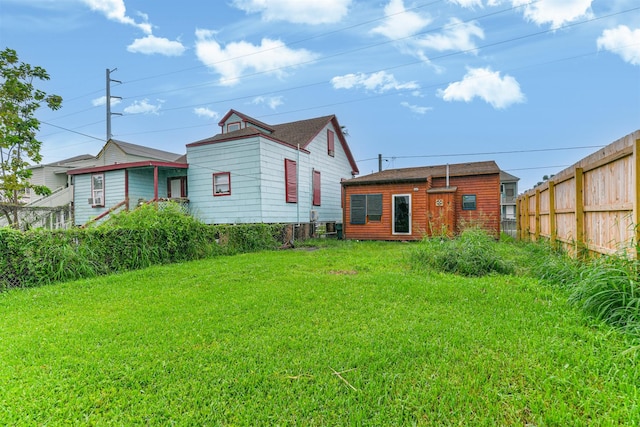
(253, 172)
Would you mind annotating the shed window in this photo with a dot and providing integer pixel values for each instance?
(358, 209)
(469, 202)
(222, 184)
(316, 188)
(291, 181)
(331, 143)
(97, 189)
(374, 207)
(365, 207)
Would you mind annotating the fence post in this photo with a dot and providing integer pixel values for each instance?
(537, 213)
(579, 211)
(636, 195)
(553, 229)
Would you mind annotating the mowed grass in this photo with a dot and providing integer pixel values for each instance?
(343, 335)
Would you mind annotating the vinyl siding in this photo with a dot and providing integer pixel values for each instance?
(114, 194)
(333, 170)
(241, 159)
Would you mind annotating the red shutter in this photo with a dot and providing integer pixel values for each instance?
(291, 181)
(316, 188)
(330, 143)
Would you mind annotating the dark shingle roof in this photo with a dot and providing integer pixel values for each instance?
(300, 132)
(423, 172)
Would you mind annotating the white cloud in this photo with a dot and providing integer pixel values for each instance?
(467, 3)
(297, 11)
(143, 107)
(152, 44)
(555, 12)
(205, 112)
(103, 101)
(416, 108)
(622, 41)
(400, 23)
(237, 58)
(272, 102)
(115, 10)
(487, 85)
(379, 82)
(457, 35)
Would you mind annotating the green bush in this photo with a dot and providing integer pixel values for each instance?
(473, 253)
(148, 235)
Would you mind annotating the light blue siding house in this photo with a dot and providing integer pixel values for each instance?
(253, 172)
(124, 175)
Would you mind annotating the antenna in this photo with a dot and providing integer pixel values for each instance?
(109, 97)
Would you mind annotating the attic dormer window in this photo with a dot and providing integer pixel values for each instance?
(233, 126)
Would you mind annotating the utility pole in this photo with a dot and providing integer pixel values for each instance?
(109, 97)
(379, 162)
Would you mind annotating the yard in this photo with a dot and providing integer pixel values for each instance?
(347, 334)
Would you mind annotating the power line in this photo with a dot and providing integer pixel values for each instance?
(488, 153)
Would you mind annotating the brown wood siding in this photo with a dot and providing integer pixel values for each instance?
(487, 212)
(487, 191)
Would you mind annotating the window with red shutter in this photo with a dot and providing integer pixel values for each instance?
(316, 188)
(291, 181)
(330, 143)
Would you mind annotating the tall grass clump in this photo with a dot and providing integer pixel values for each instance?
(473, 253)
(549, 263)
(608, 289)
(605, 287)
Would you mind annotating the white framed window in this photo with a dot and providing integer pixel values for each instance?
(97, 189)
(233, 126)
(222, 184)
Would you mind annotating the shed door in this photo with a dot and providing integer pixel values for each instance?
(401, 214)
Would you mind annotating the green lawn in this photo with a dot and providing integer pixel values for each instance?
(342, 335)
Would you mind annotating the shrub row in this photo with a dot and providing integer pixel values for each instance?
(146, 236)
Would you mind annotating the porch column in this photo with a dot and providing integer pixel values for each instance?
(155, 183)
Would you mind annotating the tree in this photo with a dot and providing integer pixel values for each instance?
(19, 100)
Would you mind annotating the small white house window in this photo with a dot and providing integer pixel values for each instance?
(233, 126)
(222, 184)
(97, 189)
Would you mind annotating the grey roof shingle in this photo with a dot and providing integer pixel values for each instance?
(142, 151)
(423, 172)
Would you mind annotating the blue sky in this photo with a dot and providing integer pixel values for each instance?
(535, 86)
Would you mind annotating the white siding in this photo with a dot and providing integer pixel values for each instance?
(256, 166)
(141, 186)
(332, 171)
(113, 193)
(274, 206)
(241, 160)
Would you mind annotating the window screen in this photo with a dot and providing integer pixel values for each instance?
(358, 209)
(469, 202)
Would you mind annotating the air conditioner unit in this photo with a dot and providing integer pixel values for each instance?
(313, 216)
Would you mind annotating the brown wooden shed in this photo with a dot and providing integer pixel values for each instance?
(408, 203)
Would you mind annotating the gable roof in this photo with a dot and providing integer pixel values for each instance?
(141, 151)
(422, 173)
(504, 176)
(244, 118)
(293, 134)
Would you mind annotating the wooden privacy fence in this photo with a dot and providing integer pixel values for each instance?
(593, 205)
